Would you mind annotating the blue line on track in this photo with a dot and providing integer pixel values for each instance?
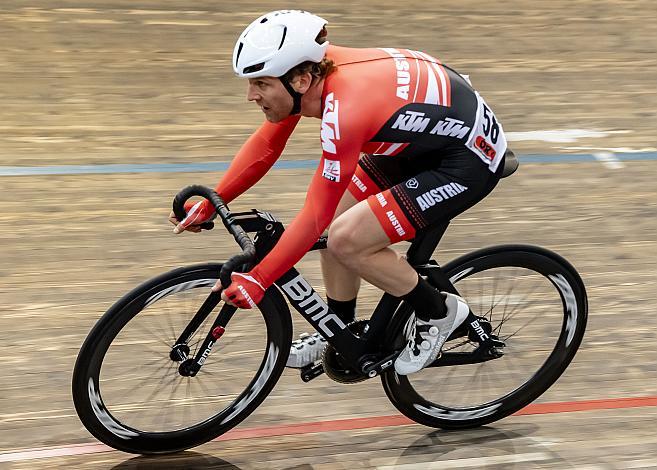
(281, 165)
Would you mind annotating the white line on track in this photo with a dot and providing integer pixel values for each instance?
(609, 160)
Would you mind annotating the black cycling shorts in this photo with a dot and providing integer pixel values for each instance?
(408, 195)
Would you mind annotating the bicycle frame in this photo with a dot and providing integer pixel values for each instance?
(365, 353)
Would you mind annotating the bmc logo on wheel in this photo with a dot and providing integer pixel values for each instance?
(480, 330)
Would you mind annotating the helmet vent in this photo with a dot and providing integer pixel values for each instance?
(264, 20)
(239, 51)
(254, 68)
(283, 38)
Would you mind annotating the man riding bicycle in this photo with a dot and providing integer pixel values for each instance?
(407, 144)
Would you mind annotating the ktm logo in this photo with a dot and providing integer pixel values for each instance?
(411, 121)
(451, 128)
(330, 126)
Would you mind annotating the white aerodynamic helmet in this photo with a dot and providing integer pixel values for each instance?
(278, 41)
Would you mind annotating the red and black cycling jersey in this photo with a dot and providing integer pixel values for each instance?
(378, 101)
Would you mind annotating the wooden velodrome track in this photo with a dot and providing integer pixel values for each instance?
(117, 81)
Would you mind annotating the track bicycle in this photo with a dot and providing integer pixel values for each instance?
(171, 366)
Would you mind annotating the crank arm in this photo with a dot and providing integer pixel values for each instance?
(484, 353)
(311, 371)
(372, 369)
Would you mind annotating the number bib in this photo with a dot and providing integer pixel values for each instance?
(487, 140)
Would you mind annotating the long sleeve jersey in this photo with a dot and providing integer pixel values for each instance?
(385, 101)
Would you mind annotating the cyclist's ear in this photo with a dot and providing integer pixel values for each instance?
(301, 82)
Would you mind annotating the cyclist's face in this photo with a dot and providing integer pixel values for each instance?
(272, 97)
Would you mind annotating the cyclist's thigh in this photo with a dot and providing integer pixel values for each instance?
(360, 226)
(434, 195)
(347, 201)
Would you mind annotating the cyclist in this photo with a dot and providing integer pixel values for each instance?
(407, 143)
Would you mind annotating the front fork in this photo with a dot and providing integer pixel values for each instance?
(268, 231)
(189, 366)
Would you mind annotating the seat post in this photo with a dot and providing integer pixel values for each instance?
(424, 244)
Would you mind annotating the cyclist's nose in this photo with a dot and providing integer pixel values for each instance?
(252, 94)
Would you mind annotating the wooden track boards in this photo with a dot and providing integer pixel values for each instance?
(123, 83)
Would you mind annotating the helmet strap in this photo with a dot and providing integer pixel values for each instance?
(296, 96)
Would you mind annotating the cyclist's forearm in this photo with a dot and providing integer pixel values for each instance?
(255, 158)
(316, 214)
(244, 172)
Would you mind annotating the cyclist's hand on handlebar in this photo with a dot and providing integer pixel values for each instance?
(197, 213)
(245, 291)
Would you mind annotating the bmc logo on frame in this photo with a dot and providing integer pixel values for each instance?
(330, 126)
(313, 306)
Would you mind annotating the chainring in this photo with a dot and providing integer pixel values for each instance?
(334, 367)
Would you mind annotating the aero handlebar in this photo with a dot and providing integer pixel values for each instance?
(248, 255)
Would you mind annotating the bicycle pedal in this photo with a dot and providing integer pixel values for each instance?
(311, 371)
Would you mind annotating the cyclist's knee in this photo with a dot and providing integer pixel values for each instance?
(343, 242)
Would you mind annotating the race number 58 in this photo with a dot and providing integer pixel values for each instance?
(491, 128)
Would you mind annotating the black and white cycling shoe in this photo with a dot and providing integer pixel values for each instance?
(306, 350)
(426, 338)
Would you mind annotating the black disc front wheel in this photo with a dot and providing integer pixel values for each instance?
(130, 393)
(535, 303)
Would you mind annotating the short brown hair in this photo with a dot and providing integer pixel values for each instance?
(320, 69)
